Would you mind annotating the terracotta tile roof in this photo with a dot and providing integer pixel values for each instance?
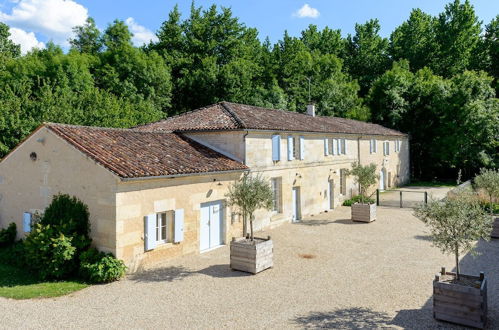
(131, 154)
(231, 116)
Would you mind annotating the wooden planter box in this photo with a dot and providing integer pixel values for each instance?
(461, 304)
(495, 227)
(363, 212)
(251, 256)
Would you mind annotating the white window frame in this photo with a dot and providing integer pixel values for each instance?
(169, 230)
(386, 148)
(296, 148)
(397, 146)
(276, 184)
(373, 146)
(343, 146)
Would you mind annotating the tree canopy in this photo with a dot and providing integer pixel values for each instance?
(434, 77)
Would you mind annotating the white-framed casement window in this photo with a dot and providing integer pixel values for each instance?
(164, 227)
(326, 147)
(397, 146)
(291, 147)
(372, 146)
(333, 149)
(276, 184)
(343, 182)
(386, 148)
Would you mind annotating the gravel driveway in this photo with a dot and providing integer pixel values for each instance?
(376, 275)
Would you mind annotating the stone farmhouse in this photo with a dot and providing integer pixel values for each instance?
(158, 190)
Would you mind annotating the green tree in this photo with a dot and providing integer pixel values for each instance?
(488, 180)
(249, 194)
(456, 223)
(8, 49)
(87, 38)
(366, 54)
(365, 177)
(491, 44)
(415, 40)
(458, 35)
(117, 35)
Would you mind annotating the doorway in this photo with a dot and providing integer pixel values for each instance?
(211, 226)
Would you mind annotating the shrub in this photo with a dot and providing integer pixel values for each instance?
(49, 253)
(69, 216)
(99, 267)
(8, 235)
(13, 254)
(357, 199)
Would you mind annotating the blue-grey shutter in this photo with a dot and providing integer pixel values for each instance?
(27, 222)
(344, 146)
(150, 232)
(290, 148)
(178, 226)
(326, 146)
(371, 146)
(276, 147)
(375, 146)
(334, 147)
(302, 148)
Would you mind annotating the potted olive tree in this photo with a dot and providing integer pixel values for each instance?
(248, 253)
(365, 177)
(455, 225)
(488, 181)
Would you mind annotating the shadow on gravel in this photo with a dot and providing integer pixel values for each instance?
(314, 222)
(350, 222)
(165, 274)
(350, 318)
(175, 273)
(423, 237)
(222, 271)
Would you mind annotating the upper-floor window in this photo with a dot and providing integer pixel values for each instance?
(342, 146)
(397, 145)
(386, 148)
(372, 146)
(276, 184)
(296, 147)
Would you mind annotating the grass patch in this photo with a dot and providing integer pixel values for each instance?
(431, 184)
(17, 283)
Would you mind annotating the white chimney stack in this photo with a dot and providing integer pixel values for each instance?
(311, 110)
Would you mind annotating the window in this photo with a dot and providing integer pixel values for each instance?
(334, 147)
(276, 148)
(343, 182)
(326, 147)
(343, 147)
(276, 184)
(296, 147)
(386, 148)
(397, 146)
(291, 147)
(372, 146)
(164, 227)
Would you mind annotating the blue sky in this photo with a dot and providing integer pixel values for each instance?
(34, 22)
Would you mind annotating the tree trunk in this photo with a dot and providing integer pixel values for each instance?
(457, 263)
(491, 209)
(251, 227)
(245, 224)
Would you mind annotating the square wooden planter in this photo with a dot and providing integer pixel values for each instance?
(458, 303)
(363, 212)
(251, 256)
(495, 227)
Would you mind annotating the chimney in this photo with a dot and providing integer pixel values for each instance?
(311, 110)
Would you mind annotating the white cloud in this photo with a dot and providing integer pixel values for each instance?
(52, 18)
(306, 11)
(141, 34)
(27, 40)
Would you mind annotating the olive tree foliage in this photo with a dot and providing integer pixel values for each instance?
(456, 223)
(365, 177)
(249, 194)
(488, 181)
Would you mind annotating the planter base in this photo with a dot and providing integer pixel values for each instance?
(363, 212)
(251, 257)
(461, 304)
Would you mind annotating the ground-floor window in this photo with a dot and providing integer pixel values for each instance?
(343, 182)
(164, 227)
(276, 184)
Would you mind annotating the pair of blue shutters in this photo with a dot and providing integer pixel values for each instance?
(150, 229)
(276, 148)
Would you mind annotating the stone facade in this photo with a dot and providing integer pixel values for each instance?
(118, 206)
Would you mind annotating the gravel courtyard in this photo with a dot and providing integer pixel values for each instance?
(376, 275)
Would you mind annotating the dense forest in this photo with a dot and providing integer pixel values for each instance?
(435, 77)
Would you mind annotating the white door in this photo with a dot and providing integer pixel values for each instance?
(211, 225)
(331, 194)
(381, 180)
(296, 204)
